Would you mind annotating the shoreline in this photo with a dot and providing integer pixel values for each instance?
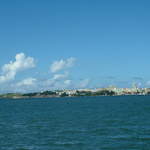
(49, 97)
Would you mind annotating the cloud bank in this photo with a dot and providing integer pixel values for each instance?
(22, 62)
(58, 78)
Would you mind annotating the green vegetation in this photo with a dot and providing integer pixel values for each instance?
(30, 94)
(48, 93)
(83, 93)
(64, 94)
(104, 92)
(98, 93)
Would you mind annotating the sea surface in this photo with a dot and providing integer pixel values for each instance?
(83, 123)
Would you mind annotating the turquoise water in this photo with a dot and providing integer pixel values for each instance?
(85, 123)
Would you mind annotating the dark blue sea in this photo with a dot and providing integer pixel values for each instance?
(83, 123)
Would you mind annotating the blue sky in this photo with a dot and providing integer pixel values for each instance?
(108, 40)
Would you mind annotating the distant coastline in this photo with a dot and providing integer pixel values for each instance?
(110, 91)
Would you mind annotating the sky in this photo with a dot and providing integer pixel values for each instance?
(46, 45)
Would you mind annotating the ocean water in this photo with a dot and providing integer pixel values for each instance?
(83, 123)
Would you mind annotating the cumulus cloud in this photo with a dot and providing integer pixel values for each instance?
(27, 82)
(60, 76)
(22, 62)
(62, 64)
(58, 80)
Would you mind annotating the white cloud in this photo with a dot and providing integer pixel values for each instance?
(57, 81)
(62, 64)
(27, 82)
(22, 62)
(60, 76)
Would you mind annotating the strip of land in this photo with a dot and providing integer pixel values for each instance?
(110, 91)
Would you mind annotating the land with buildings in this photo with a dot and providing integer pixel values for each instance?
(110, 91)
